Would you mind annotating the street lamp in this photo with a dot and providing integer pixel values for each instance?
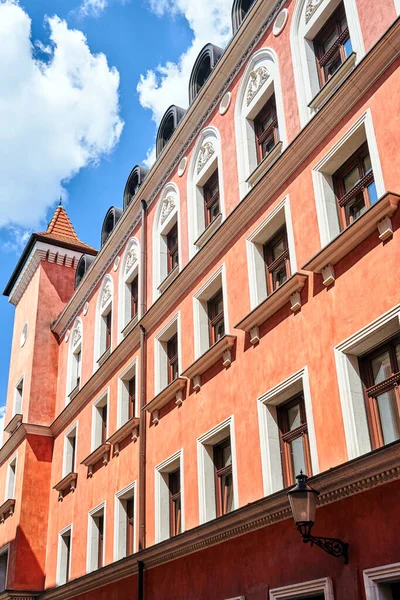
(303, 503)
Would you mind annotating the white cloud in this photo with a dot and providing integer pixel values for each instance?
(167, 84)
(58, 114)
(92, 8)
(2, 415)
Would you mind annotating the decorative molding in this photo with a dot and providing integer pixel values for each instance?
(7, 509)
(131, 427)
(219, 350)
(106, 294)
(182, 166)
(116, 263)
(171, 391)
(205, 153)
(131, 258)
(311, 7)
(374, 577)
(298, 590)
(280, 22)
(328, 275)
(257, 78)
(67, 484)
(225, 103)
(77, 334)
(86, 308)
(385, 229)
(102, 453)
(168, 206)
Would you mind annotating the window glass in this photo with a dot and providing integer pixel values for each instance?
(381, 369)
(388, 417)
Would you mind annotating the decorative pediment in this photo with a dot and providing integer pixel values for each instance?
(205, 153)
(256, 80)
(77, 334)
(168, 206)
(131, 258)
(106, 293)
(311, 7)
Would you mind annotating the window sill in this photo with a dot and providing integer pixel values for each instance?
(288, 292)
(221, 349)
(173, 390)
(334, 82)
(132, 323)
(169, 279)
(265, 164)
(7, 509)
(130, 427)
(208, 232)
(73, 393)
(102, 452)
(377, 217)
(67, 484)
(13, 425)
(104, 357)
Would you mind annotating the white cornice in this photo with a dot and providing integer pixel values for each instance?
(359, 475)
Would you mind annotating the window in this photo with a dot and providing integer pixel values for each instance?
(380, 370)
(211, 198)
(332, 45)
(108, 329)
(103, 333)
(266, 126)
(168, 124)
(19, 390)
(64, 555)
(172, 244)
(125, 522)
(96, 538)
(295, 450)
(128, 298)
(240, 8)
(172, 351)
(382, 583)
(216, 317)
(10, 484)
(3, 568)
(127, 394)
(216, 457)
(69, 464)
(100, 422)
(135, 180)
(354, 186)
(175, 511)
(74, 366)
(166, 359)
(202, 68)
(277, 263)
(318, 589)
(169, 497)
(223, 477)
(134, 286)
(110, 221)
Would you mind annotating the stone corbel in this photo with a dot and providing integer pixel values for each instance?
(385, 229)
(295, 302)
(197, 383)
(155, 417)
(135, 434)
(254, 335)
(328, 275)
(227, 358)
(179, 398)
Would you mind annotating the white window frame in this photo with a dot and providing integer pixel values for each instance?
(11, 478)
(161, 495)
(102, 311)
(74, 348)
(267, 404)
(206, 471)
(278, 217)
(303, 590)
(374, 577)
(18, 398)
(96, 420)
(170, 195)
(61, 556)
(126, 277)
(245, 114)
(301, 42)
(351, 391)
(326, 204)
(128, 491)
(196, 181)
(67, 450)
(161, 352)
(91, 553)
(123, 393)
(200, 312)
(5, 550)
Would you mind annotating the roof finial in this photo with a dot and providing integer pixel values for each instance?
(60, 203)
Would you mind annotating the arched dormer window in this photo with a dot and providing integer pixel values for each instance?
(240, 8)
(259, 116)
(103, 327)
(74, 366)
(326, 43)
(84, 263)
(129, 286)
(205, 191)
(169, 123)
(135, 180)
(166, 240)
(111, 219)
(205, 62)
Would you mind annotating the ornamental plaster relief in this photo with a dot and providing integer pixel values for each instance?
(256, 80)
(106, 294)
(168, 206)
(205, 153)
(131, 258)
(311, 7)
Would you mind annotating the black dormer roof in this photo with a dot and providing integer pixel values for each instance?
(135, 180)
(240, 8)
(84, 263)
(205, 62)
(111, 219)
(168, 124)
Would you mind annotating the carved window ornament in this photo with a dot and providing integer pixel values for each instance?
(106, 294)
(256, 80)
(168, 206)
(205, 153)
(311, 7)
(77, 334)
(131, 258)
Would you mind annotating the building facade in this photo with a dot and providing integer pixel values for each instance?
(240, 324)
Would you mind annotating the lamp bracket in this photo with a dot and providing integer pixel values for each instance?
(332, 546)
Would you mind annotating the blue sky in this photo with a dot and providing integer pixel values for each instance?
(82, 109)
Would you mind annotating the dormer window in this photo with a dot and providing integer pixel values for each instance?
(169, 123)
(240, 8)
(135, 180)
(84, 263)
(111, 219)
(205, 63)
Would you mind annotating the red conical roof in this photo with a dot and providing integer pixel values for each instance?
(60, 229)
